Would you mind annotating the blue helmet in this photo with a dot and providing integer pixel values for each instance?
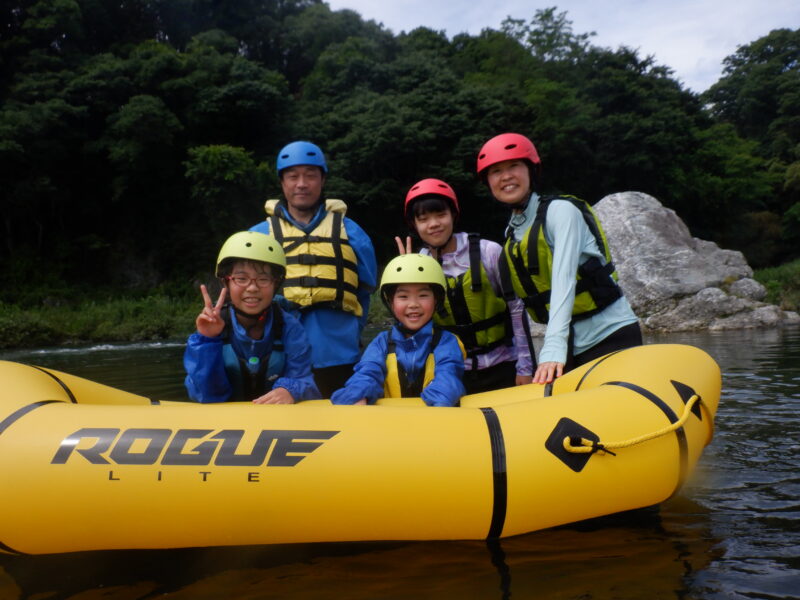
(301, 153)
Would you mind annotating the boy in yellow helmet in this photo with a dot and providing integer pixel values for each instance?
(412, 359)
(249, 349)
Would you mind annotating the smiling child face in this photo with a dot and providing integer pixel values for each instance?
(435, 228)
(413, 304)
(254, 294)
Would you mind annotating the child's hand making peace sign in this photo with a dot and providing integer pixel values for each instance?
(210, 322)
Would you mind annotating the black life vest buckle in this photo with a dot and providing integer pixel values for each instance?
(308, 281)
(307, 259)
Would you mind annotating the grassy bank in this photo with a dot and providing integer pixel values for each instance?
(783, 285)
(157, 317)
(113, 320)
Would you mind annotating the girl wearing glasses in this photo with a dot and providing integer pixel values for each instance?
(248, 349)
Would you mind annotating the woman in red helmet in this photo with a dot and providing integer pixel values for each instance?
(493, 331)
(557, 260)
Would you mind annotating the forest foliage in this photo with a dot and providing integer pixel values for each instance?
(136, 136)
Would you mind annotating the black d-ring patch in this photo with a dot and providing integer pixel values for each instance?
(555, 443)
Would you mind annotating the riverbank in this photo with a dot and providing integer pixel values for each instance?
(157, 317)
(783, 285)
(161, 317)
(112, 320)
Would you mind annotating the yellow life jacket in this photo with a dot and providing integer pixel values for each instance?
(321, 266)
(528, 267)
(396, 384)
(473, 311)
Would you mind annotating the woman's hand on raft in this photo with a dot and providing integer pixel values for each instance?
(546, 372)
(277, 396)
(210, 322)
(523, 379)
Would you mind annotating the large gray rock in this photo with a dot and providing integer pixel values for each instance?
(676, 282)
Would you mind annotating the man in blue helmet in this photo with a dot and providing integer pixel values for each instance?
(331, 267)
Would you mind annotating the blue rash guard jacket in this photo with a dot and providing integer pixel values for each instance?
(369, 374)
(207, 380)
(335, 335)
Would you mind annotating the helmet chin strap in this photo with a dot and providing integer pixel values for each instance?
(521, 206)
(255, 319)
(440, 248)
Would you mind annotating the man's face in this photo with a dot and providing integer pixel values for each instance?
(302, 186)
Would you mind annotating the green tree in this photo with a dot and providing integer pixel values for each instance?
(134, 135)
(228, 187)
(759, 94)
(549, 36)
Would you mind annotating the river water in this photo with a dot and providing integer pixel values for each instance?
(733, 532)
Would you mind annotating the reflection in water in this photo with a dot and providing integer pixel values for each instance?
(632, 556)
(732, 533)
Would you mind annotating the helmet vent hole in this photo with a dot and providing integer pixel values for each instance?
(420, 268)
(249, 244)
(510, 147)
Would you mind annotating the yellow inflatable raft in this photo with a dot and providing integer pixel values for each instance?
(85, 466)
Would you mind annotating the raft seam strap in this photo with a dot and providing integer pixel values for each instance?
(680, 434)
(61, 383)
(10, 550)
(21, 412)
(499, 475)
(594, 366)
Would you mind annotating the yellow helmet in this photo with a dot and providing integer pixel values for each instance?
(252, 245)
(413, 268)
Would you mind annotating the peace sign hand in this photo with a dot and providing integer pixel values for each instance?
(403, 249)
(209, 322)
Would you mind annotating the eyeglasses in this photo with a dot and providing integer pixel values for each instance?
(242, 281)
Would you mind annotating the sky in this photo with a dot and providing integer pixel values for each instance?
(692, 37)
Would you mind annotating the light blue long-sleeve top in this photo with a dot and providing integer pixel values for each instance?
(573, 244)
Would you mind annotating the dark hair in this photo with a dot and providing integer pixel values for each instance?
(282, 171)
(428, 204)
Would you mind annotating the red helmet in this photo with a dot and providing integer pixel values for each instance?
(428, 187)
(507, 146)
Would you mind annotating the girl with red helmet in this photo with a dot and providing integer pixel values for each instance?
(492, 330)
(557, 260)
